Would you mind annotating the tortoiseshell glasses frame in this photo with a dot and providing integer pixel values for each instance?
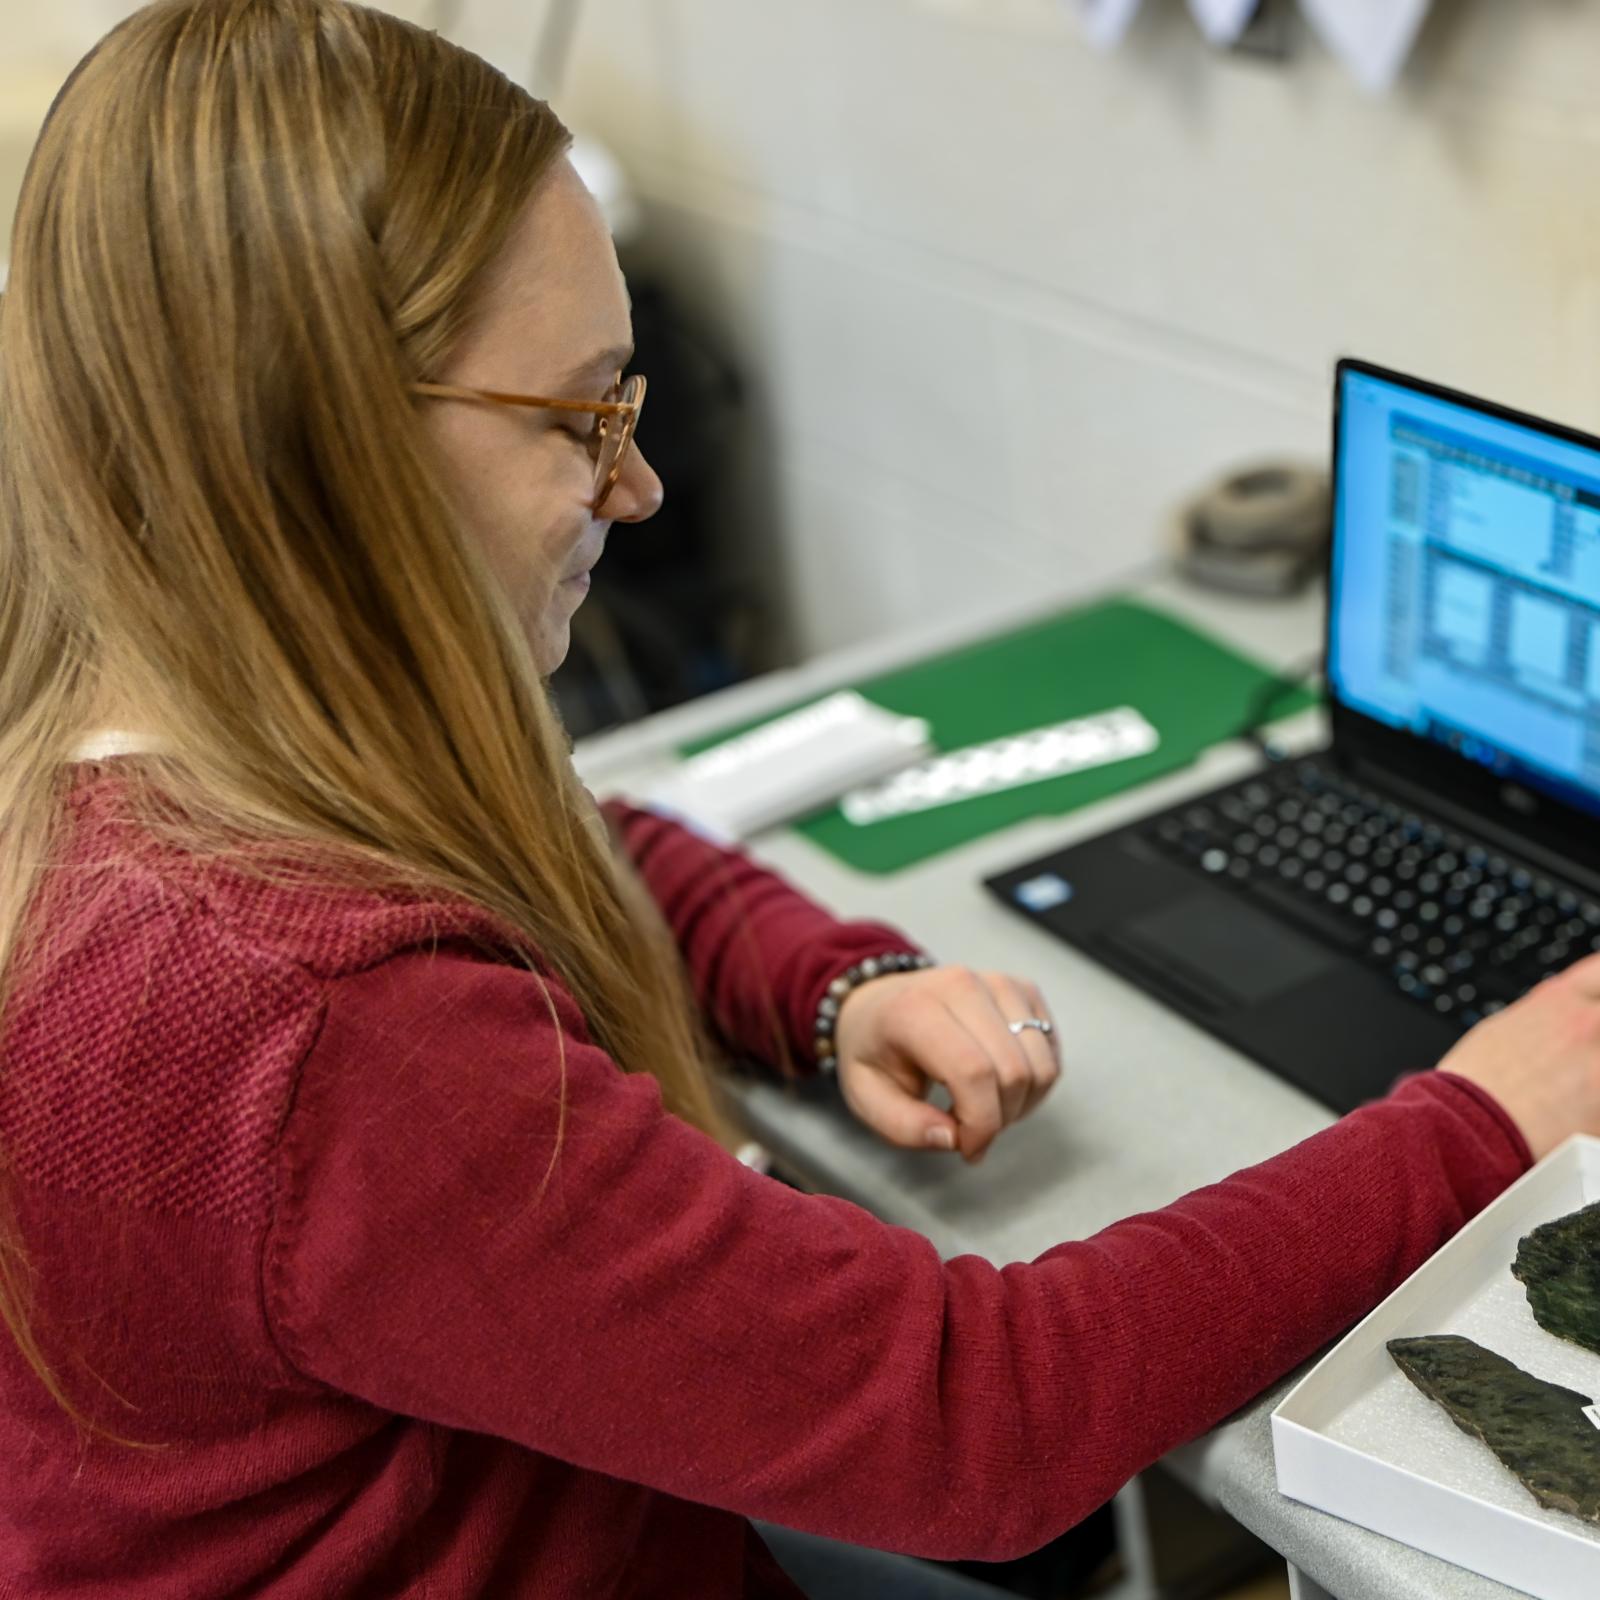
(615, 421)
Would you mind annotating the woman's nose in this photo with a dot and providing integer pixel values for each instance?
(638, 493)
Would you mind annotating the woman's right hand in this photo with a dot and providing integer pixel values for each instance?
(1540, 1058)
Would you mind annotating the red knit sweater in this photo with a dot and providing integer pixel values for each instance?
(275, 1163)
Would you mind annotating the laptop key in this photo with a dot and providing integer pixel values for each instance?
(1295, 907)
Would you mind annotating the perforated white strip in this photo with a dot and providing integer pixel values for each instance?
(1001, 764)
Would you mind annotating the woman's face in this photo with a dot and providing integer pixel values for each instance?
(554, 321)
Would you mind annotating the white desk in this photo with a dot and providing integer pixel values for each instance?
(1092, 1153)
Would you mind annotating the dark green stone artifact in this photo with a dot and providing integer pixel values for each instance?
(1537, 1429)
(1559, 1262)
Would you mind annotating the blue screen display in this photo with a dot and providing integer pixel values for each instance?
(1465, 604)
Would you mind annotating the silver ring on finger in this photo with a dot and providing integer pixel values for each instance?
(1043, 1024)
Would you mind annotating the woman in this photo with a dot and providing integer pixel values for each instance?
(369, 1226)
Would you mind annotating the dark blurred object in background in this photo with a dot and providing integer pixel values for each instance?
(662, 623)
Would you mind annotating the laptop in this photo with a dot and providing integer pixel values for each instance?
(1344, 916)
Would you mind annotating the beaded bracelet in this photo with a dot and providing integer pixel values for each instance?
(862, 972)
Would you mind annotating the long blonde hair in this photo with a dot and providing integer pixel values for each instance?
(246, 226)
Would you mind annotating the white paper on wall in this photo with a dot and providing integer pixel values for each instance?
(1372, 37)
(1104, 22)
(1222, 21)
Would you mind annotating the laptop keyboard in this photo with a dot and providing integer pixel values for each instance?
(1455, 924)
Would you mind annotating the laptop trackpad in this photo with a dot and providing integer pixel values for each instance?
(1221, 946)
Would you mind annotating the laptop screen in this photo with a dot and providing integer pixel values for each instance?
(1465, 594)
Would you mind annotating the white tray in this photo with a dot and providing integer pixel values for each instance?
(1357, 1438)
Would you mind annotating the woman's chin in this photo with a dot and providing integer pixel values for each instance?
(550, 644)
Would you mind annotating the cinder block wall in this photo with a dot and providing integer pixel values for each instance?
(1007, 300)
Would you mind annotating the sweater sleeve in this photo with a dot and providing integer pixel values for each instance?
(759, 952)
(658, 1312)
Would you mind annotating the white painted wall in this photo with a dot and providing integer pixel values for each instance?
(1006, 301)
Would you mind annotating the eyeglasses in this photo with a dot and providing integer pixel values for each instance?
(615, 421)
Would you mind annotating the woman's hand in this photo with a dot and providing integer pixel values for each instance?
(899, 1035)
(1540, 1058)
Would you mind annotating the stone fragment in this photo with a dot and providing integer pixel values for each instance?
(1537, 1429)
(1559, 1264)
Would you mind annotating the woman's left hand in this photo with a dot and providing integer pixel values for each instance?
(899, 1034)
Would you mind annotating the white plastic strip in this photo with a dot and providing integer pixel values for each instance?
(791, 766)
(1001, 764)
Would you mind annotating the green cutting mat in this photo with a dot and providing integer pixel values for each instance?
(1193, 690)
